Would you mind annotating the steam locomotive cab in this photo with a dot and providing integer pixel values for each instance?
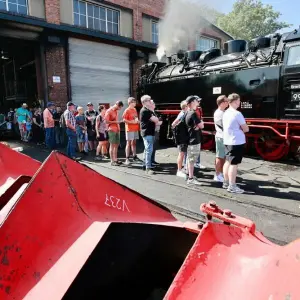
(266, 74)
(290, 77)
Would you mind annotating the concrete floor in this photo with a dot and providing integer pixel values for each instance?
(272, 198)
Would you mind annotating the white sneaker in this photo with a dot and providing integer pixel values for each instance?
(235, 189)
(127, 162)
(181, 174)
(193, 181)
(219, 178)
(201, 167)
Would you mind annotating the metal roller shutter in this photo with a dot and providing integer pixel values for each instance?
(98, 72)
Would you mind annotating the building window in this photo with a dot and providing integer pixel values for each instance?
(96, 17)
(155, 32)
(16, 6)
(204, 43)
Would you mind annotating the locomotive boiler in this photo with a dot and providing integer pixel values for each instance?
(264, 71)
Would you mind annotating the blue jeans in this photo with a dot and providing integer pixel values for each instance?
(148, 143)
(72, 138)
(50, 137)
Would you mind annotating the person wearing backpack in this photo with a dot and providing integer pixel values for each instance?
(181, 138)
(194, 125)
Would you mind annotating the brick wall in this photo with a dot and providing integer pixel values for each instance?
(52, 11)
(152, 8)
(56, 66)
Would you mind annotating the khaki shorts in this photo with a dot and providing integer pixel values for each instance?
(114, 137)
(220, 148)
(193, 152)
(132, 135)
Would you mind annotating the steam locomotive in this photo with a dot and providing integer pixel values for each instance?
(264, 71)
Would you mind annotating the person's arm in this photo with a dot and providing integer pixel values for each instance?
(108, 121)
(126, 121)
(68, 123)
(35, 122)
(97, 126)
(45, 117)
(242, 122)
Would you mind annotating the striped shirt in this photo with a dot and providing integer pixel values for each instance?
(69, 116)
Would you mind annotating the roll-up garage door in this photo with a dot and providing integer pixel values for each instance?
(99, 72)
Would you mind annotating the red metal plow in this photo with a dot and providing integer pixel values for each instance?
(72, 233)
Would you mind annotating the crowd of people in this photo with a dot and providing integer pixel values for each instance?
(99, 130)
(230, 126)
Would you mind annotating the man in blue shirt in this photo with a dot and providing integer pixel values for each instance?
(22, 115)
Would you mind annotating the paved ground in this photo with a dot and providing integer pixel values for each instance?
(272, 199)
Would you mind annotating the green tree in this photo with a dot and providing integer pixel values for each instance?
(249, 19)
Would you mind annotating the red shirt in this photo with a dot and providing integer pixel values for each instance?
(130, 114)
(112, 115)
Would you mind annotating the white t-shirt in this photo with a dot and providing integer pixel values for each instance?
(232, 132)
(218, 120)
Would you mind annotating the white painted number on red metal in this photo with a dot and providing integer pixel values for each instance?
(116, 203)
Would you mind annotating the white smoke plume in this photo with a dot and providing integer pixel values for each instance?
(182, 20)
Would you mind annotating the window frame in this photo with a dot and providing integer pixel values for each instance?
(154, 22)
(7, 7)
(217, 41)
(288, 56)
(87, 16)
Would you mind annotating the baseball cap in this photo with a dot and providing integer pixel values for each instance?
(90, 104)
(191, 99)
(70, 104)
(24, 104)
(49, 104)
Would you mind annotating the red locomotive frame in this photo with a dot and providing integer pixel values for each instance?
(272, 139)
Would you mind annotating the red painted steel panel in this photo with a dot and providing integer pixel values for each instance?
(14, 164)
(62, 201)
(230, 263)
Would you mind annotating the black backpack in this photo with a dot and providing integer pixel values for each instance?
(180, 132)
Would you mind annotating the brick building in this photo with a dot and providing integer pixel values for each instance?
(80, 50)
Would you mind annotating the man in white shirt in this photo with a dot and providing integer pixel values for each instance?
(222, 103)
(234, 129)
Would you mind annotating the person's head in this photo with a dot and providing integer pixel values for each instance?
(234, 101)
(24, 105)
(50, 105)
(192, 102)
(37, 111)
(102, 109)
(58, 109)
(118, 105)
(11, 109)
(71, 106)
(222, 102)
(183, 105)
(146, 101)
(90, 106)
(80, 110)
(131, 102)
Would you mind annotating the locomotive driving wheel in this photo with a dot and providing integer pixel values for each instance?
(270, 147)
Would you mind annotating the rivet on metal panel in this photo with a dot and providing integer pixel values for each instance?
(227, 212)
(212, 204)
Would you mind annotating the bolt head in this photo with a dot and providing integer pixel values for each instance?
(212, 203)
(227, 212)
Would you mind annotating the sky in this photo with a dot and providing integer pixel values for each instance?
(289, 9)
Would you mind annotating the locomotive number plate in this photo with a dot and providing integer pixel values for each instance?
(295, 97)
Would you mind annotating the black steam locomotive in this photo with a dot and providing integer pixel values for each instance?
(264, 71)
